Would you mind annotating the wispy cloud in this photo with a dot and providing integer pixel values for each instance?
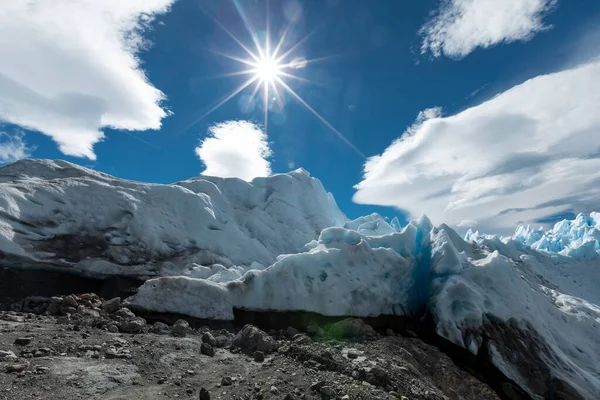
(235, 149)
(460, 26)
(70, 67)
(528, 153)
(13, 147)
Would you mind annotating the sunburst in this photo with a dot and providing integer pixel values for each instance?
(269, 70)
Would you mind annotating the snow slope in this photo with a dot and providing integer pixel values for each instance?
(57, 213)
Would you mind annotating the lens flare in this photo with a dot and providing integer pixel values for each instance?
(268, 71)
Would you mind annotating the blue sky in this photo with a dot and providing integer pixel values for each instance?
(371, 86)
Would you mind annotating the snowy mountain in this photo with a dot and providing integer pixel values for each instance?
(281, 244)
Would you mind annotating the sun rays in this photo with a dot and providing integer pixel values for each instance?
(268, 68)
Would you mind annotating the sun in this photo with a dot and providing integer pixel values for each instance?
(268, 71)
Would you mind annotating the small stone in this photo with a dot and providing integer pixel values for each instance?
(23, 341)
(134, 325)
(113, 329)
(161, 380)
(207, 337)
(327, 391)
(389, 332)
(159, 327)
(346, 397)
(259, 356)
(381, 374)
(291, 396)
(317, 385)
(226, 381)
(70, 301)
(221, 340)
(207, 350)
(410, 334)
(353, 354)
(274, 390)
(204, 394)
(125, 313)
(302, 339)
(112, 305)
(291, 332)
(10, 368)
(7, 355)
(180, 328)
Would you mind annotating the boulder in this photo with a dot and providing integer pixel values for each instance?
(180, 328)
(351, 328)
(251, 339)
(112, 305)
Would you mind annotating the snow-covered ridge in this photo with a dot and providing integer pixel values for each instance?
(577, 238)
(58, 213)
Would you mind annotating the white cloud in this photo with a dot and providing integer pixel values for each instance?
(235, 149)
(528, 153)
(13, 147)
(70, 67)
(460, 26)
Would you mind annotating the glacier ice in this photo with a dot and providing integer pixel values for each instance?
(212, 245)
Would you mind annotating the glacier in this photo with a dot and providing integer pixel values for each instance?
(208, 246)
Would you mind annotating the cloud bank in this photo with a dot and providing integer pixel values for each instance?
(235, 149)
(70, 67)
(460, 26)
(13, 147)
(529, 153)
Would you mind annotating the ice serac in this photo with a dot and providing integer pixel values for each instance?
(59, 214)
(579, 238)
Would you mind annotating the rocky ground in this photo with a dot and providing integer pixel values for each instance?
(82, 347)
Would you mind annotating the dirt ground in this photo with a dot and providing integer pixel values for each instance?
(59, 357)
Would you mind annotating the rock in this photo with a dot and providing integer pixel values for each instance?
(221, 340)
(23, 341)
(380, 374)
(327, 392)
(226, 381)
(351, 328)
(204, 394)
(125, 313)
(317, 386)
(7, 355)
(180, 328)
(159, 328)
(112, 305)
(259, 356)
(353, 354)
(389, 332)
(302, 339)
(10, 368)
(274, 390)
(291, 396)
(70, 301)
(207, 337)
(291, 332)
(207, 350)
(345, 397)
(113, 329)
(251, 339)
(410, 334)
(313, 329)
(135, 325)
